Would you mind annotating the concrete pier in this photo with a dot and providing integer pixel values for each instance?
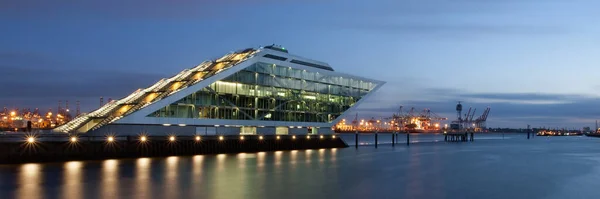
(459, 137)
(46, 149)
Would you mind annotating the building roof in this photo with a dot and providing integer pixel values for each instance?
(141, 98)
(166, 90)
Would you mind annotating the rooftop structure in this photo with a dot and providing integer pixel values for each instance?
(264, 90)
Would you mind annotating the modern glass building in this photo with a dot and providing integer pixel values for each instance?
(252, 91)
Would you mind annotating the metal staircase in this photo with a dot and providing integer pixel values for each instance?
(165, 87)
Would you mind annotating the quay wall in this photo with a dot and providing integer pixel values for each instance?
(49, 149)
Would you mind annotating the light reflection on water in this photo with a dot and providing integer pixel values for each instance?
(171, 177)
(29, 180)
(72, 187)
(418, 171)
(142, 177)
(278, 155)
(110, 179)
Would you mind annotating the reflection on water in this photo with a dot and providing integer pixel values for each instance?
(278, 155)
(308, 154)
(30, 177)
(72, 187)
(197, 167)
(110, 179)
(321, 155)
(221, 162)
(142, 177)
(418, 171)
(171, 177)
(293, 158)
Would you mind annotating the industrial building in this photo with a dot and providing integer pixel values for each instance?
(263, 91)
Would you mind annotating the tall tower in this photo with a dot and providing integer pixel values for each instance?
(101, 101)
(78, 111)
(59, 107)
(458, 111)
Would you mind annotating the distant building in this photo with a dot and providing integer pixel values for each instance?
(264, 91)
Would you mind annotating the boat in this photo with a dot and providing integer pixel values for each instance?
(559, 133)
(594, 134)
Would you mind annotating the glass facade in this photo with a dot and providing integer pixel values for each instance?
(271, 92)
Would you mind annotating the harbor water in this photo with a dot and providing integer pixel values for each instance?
(494, 166)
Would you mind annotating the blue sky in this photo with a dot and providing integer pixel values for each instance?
(533, 61)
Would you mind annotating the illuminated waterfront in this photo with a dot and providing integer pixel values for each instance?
(515, 167)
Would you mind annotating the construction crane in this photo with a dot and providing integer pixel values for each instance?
(468, 122)
(480, 122)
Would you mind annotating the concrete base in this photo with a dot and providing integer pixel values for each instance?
(22, 152)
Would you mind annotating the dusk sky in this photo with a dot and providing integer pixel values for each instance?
(532, 61)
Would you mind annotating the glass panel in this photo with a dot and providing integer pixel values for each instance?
(271, 92)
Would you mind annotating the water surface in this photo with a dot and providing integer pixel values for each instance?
(513, 167)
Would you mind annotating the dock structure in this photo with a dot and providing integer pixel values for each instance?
(448, 137)
(459, 137)
(46, 148)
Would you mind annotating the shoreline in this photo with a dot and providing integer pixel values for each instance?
(43, 149)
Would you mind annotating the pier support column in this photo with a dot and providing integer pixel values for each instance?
(375, 139)
(472, 139)
(356, 139)
(407, 138)
(528, 131)
(393, 141)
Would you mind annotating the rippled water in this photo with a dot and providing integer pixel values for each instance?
(491, 167)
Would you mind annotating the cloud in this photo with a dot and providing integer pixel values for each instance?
(34, 80)
(443, 17)
(453, 29)
(507, 109)
(24, 83)
(130, 9)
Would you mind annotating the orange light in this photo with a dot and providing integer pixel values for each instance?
(260, 137)
(172, 138)
(111, 138)
(220, 137)
(31, 139)
(197, 138)
(143, 138)
(278, 137)
(241, 137)
(73, 139)
(321, 137)
(294, 137)
(333, 136)
(308, 137)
